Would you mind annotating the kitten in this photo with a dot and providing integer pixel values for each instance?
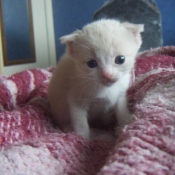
(94, 74)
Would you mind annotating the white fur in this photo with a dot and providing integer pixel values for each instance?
(78, 93)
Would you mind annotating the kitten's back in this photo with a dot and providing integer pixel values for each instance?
(59, 88)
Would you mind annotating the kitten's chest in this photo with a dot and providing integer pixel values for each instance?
(103, 102)
(107, 97)
(100, 104)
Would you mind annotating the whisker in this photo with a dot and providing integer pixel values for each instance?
(88, 85)
(84, 90)
(81, 76)
(83, 45)
(84, 81)
(79, 84)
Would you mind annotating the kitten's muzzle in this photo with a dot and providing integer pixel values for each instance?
(108, 79)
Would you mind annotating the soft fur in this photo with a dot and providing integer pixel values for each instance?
(78, 93)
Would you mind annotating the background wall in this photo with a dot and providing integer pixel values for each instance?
(70, 15)
(167, 9)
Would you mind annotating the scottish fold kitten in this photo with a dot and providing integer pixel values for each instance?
(94, 74)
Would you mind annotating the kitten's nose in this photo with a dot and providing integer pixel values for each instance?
(108, 76)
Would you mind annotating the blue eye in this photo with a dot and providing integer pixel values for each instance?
(92, 64)
(120, 59)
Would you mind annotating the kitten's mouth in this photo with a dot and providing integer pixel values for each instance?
(108, 82)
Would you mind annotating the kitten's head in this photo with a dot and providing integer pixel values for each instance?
(104, 50)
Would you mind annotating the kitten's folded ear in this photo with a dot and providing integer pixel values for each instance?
(70, 37)
(136, 29)
(69, 40)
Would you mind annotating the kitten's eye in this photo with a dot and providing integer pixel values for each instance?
(120, 59)
(92, 64)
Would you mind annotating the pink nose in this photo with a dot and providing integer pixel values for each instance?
(107, 76)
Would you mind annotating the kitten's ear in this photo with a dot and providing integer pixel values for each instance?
(71, 37)
(69, 40)
(136, 29)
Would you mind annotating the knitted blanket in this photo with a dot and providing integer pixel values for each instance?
(31, 144)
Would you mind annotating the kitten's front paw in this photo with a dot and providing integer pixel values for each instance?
(98, 134)
(84, 133)
(86, 136)
(125, 119)
(101, 135)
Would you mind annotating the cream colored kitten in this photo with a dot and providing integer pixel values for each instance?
(94, 74)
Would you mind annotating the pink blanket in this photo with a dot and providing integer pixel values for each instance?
(30, 143)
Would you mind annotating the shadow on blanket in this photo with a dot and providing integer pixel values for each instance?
(31, 145)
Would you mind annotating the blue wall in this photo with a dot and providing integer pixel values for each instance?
(70, 15)
(167, 9)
